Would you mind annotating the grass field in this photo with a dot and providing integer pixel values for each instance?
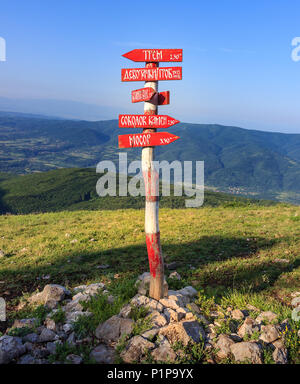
(245, 249)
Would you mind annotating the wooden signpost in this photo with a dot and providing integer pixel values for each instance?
(149, 122)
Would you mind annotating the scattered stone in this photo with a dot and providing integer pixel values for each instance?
(10, 348)
(237, 314)
(248, 328)
(175, 275)
(280, 356)
(252, 308)
(103, 354)
(246, 351)
(235, 337)
(71, 339)
(153, 305)
(223, 345)
(185, 332)
(73, 241)
(194, 308)
(266, 316)
(73, 306)
(296, 301)
(295, 294)
(103, 266)
(281, 261)
(74, 359)
(172, 316)
(164, 352)
(25, 323)
(171, 302)
(188, 292)
(51, 347)
(136, 349)
(126, 311)
(270, 333)
(67, 328)
(40, 353)
(31, 338)
(79, 288)
(50, 296)
(71, 317)
(157, 319)
(171, 266)
(46, 335)
(113, 328)
(26, 359)
(2, 254)
(50, 324)
(143, 284)
(28, 346)
(150, 334)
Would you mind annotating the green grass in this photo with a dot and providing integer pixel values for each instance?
(232, 251)
(74, 189)
(230, 248)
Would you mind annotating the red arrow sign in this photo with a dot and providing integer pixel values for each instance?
(151, 74)
(154, 55)
(148, 94)
(149, 139)
(146, 121)
(143, 94)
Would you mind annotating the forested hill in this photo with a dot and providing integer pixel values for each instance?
(261, 164)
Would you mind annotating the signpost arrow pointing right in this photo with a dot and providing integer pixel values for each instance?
(148, 139)
(146, 121)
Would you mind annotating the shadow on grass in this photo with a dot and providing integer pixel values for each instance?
(3, 206)
(225, 261)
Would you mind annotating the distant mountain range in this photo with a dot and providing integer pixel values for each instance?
(247, 162)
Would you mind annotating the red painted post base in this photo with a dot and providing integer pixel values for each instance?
(156, 265)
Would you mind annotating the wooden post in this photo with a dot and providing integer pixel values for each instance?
(151, 179)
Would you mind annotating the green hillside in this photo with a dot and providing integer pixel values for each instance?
(75, 188)
(247, 162)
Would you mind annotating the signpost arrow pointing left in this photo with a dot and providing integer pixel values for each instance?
(146, 121)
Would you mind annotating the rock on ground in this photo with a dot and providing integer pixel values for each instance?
(246, 351)
(113, 328)
(103, 354)
(237, 314)
(267, 316)
(136, 349)
(295, 302)
(74, 359)
(223, 345)
(164, 352)
(184, 332)
(10, 348)
(51, 295)
(270, 333)
(248, 328)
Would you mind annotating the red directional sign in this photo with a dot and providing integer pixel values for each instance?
(149, 139)
(148, 94)
(143, 94)
(151, 74)
(146, 121)
(154, 55)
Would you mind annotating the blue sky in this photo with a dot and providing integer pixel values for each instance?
(237, 66)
